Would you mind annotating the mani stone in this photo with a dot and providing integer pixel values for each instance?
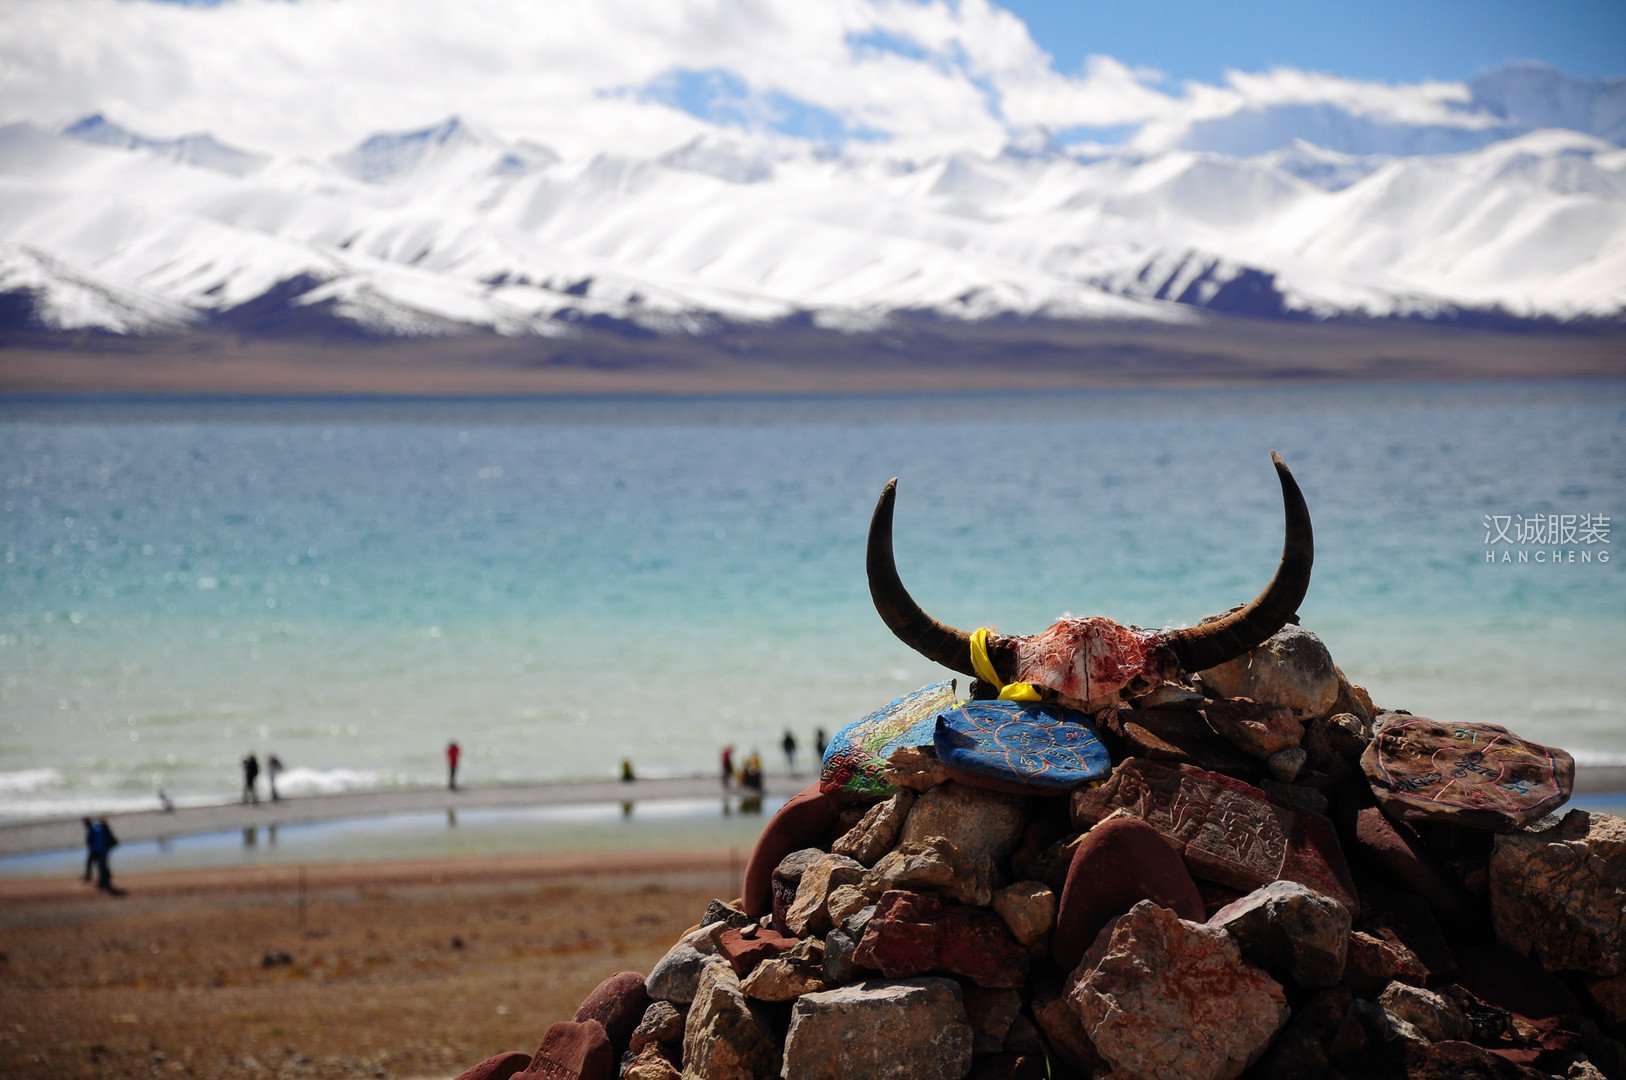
(876, 833)
(573, 1050)
(726, 1037)
(1020, 747)
(1292, 669)
(1559, 895)
(911, 1029)
(1479, 775)
(1295, 933)
(855, 760)
(498, 1067)
(1163, 997)
(1227, 831)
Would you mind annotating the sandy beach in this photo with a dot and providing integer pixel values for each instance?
(399, 969)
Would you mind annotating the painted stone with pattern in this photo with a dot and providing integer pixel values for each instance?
(1478, 775)
(1020, 746)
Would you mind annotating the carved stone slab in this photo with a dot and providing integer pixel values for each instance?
(855, 760)
(1479, 775)
(1045, 749)
(1227, 831)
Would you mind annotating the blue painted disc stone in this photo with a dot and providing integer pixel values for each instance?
(855, 760)
(1021, 745)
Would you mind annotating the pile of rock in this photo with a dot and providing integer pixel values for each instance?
(1274, 878)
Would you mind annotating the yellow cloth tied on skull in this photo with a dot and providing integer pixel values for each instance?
(1017, 691)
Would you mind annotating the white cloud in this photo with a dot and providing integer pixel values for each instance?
(315, 76)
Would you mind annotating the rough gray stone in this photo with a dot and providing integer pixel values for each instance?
(1560, 895)
(1029, 910)
(909, 1029)
(807, 914)
(985, 826)
(876, 832)
(933, 864)
(1293, 932)
(675, 976)
(839, 944)
(662, 1023)
(726, 1036)
(1285, 765)
(1437, 1017)
(1292, 668)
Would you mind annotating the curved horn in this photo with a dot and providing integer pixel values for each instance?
(936, 641)
(1213, 643)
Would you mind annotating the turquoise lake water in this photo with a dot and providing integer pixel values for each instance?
(559, 584)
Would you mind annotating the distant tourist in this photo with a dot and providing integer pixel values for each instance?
(728, 767)
(789, 743)
(102, 843)
(820, 742)
(453, 753)
(251, 774)
(627, 775)
(165, 803)
(751, 774)
(273, 766)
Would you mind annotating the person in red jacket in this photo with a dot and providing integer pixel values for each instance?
(452, 754)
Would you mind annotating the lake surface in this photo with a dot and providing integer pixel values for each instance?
(558, 584)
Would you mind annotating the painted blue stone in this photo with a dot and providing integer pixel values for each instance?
(1022, 744)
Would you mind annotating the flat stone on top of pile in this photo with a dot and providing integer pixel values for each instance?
(1478, 775)
(909, 1029)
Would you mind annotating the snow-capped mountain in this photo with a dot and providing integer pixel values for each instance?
(451, 229)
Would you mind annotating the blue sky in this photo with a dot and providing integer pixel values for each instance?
(918, 77)
(1387, 40)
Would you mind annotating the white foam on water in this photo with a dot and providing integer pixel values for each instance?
(308, 781)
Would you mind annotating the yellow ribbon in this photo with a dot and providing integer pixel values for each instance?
(1016, 691)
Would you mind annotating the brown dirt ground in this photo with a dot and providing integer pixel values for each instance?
(412, 969)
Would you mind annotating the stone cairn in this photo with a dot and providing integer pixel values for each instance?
(1247, 870)
(1275, 879)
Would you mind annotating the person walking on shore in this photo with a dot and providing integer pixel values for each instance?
(273, 766)
(789, 743)
(728, 767)
(819, 743)
(102, 844)
(453, 753)
(251, 774)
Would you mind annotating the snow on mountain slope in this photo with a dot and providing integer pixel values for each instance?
(450, 228)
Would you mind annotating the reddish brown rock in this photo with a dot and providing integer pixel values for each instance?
(1117, 864)
(1374, 961)
(1457, 1060)
(802, 822)
(749, 946)
(1257, 728)
(573, 1050)
(1181, 736)
(618, 1003)
(991, 1013)
(1559, 895)
(1064, 1030)
(1226, 830)
(913, 934)
(1479, 775)
(1610, 994)
(1161, 996)
(499, 1067)
(1396, 848)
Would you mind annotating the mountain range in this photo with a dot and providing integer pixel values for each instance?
(450, 229)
